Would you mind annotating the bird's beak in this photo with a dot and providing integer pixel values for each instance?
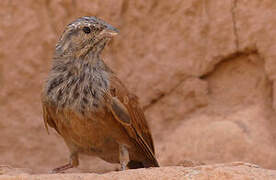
(109, 32)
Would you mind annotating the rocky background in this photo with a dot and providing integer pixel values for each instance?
(204, 70)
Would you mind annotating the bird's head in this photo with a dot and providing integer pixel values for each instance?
(84, 35)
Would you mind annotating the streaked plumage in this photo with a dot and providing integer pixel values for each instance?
(85, 102)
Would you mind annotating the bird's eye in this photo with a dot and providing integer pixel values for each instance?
(86, 30)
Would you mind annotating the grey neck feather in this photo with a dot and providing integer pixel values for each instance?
(78, 83)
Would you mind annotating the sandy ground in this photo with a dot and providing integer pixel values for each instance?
(236, 171)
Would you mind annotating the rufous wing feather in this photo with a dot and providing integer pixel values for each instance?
(125, 109)
(47, 117)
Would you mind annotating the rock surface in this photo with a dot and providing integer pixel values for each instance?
(205, 73)
(233, 171)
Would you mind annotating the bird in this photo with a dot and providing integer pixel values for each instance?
(89, 106)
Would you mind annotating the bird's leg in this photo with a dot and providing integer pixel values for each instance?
(123, 156)
(73, 162)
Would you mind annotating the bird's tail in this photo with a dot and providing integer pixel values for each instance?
(137, 164)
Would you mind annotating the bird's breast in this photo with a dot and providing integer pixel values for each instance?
(82, 92)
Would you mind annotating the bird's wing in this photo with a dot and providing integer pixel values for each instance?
(126, 110)
(46, 108)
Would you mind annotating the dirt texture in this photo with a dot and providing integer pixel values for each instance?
(204, 70)
(235, 171)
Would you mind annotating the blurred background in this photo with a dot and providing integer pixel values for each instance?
(204, 71)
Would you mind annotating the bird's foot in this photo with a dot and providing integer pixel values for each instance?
(123, 156)
(62, 168)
